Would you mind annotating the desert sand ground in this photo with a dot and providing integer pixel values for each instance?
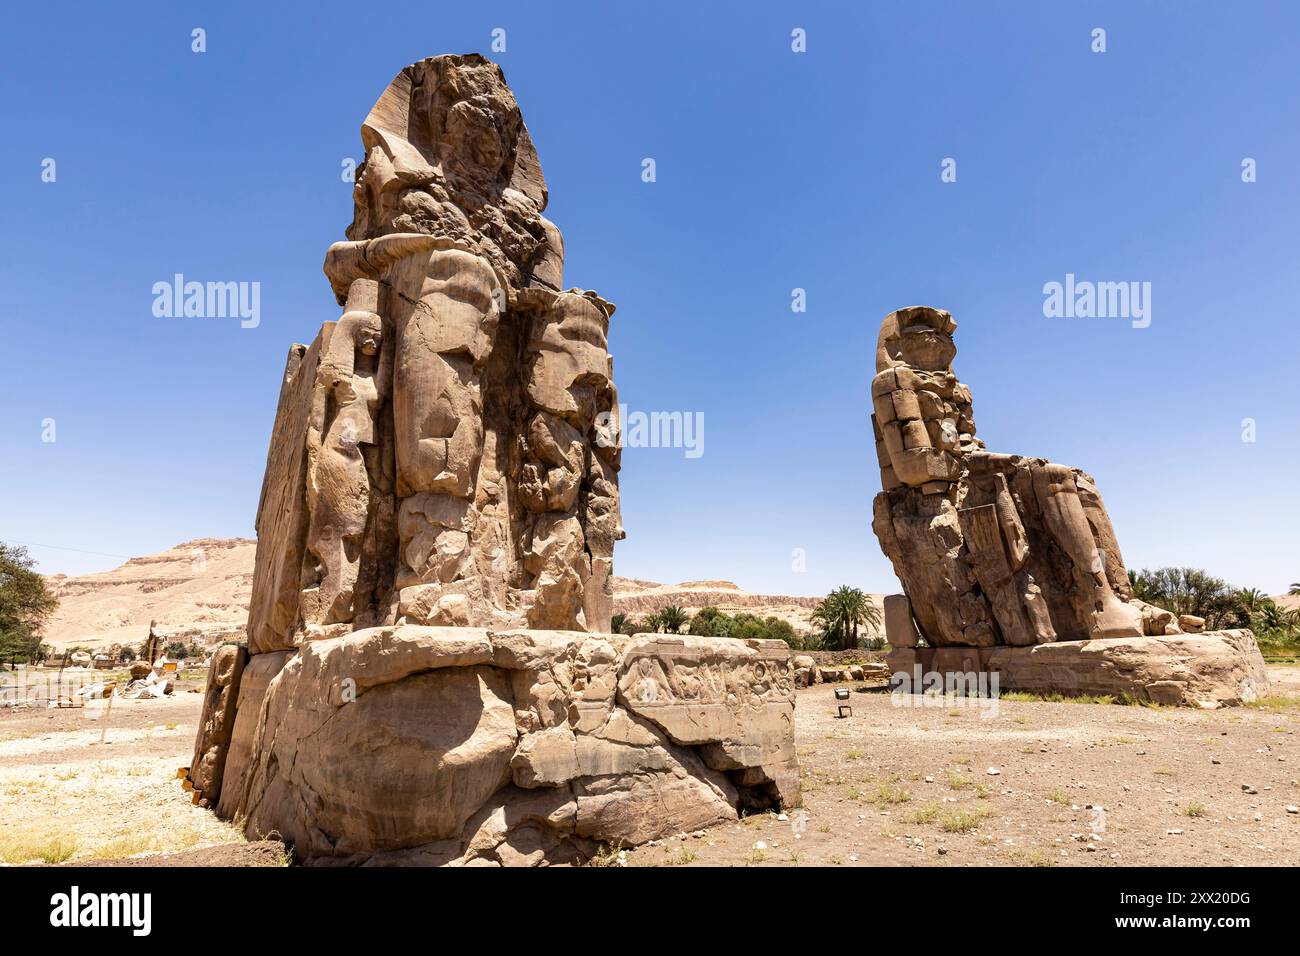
(101, 783)
(887, 786)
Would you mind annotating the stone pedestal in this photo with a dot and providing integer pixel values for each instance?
(1214, 669)
(433, 745)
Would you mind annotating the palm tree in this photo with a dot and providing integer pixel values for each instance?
(1273, 618)
(841, 614)
(1294, 589)
(616, 623)
(856, 609)
(827, 615)
(1251, 598)
(1140, 584)
(672, 619)
(652, 623)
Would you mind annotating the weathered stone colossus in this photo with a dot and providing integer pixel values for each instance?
(993, 550)
(440, 455)
(426, 682)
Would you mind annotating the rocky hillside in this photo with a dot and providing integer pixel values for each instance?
(638, 599)
(203, 586)
(198, 587)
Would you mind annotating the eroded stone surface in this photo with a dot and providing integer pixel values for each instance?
(217, 721)
(430, 681)
(994, 551)
(416, 744)
(254, 683)
(1209, 670)
(446, 452)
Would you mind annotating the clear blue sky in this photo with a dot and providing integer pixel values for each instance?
(776, 170)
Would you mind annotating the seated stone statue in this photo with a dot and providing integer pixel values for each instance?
(992, 549)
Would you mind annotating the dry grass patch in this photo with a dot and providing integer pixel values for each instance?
(892, 793)
(963, 821)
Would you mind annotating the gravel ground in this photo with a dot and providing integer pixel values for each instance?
(1028, 783)
(1024, 783)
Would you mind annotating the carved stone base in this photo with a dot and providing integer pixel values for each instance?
(1214, 669)
(440, 745)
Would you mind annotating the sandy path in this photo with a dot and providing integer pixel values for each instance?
(67, 796)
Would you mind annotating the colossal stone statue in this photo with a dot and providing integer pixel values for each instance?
(993, 550)
(423, 681)
(454, 470)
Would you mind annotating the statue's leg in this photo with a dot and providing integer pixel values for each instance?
(443, 336)
(553, 545)
(1063, 512)
(568, 475)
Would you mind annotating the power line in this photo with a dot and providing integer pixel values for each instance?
(55, 547)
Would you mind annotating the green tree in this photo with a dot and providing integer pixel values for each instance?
(780, 630)
(1193, 591)
(672, 619)
(616, 623)
(843, 612)
(1270, 618)
(1140, 585)
(1251, 598)
(1294, 589)
(710, 622)
(25, 605)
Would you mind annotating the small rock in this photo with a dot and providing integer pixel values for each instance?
(760, 845)
(943, 851)
(1215, 760)
(993, 771)
(1292, 808)
(1173, 832)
